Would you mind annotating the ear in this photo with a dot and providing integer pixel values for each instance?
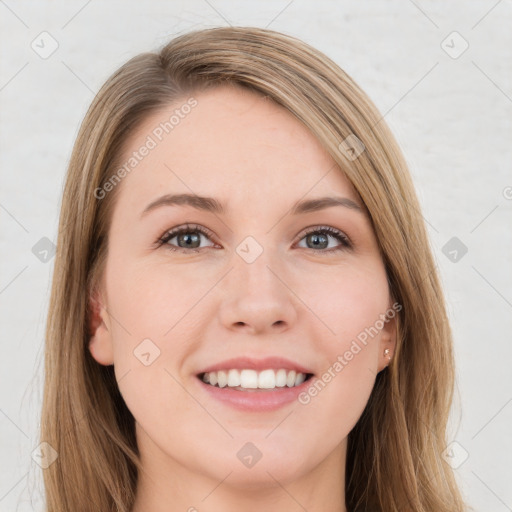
(387, 344)
(100, 341)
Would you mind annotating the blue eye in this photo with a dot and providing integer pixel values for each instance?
(321, 236)
(186, 235)
(188, 238)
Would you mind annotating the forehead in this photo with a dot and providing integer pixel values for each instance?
(233, 144)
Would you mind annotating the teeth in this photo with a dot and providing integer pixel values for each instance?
(233, 378)
(281, 378)
(267, 379)
(251, 379)
(222, 379)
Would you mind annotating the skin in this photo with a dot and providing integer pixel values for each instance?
(295, 300)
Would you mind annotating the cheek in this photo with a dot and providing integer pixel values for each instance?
(336, 401)
(349, 303)
(348, 300)
(155, 312)
(149, 330)
(152, 301)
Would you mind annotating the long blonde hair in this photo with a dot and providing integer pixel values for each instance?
(394, 458)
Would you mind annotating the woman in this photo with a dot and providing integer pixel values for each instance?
(257, 319)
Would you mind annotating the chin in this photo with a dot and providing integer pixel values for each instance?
(261, 474)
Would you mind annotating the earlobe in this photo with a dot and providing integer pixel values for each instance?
(387, 345)
(100, 338)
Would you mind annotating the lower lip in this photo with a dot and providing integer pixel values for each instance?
(256, 400)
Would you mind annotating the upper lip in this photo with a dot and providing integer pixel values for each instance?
(242, 363)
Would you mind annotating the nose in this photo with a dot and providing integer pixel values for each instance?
(258, 298)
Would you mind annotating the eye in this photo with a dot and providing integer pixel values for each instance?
(189, 236)
(318, 236)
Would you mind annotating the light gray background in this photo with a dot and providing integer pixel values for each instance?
(452, 117)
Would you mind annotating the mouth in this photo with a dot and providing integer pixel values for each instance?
(250, 380)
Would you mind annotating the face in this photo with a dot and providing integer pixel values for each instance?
(254, 280)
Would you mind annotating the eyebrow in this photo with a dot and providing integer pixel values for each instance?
(212, 205)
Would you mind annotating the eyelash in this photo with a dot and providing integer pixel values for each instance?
(188, 228)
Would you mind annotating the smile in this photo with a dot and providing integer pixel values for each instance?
(248, 379)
